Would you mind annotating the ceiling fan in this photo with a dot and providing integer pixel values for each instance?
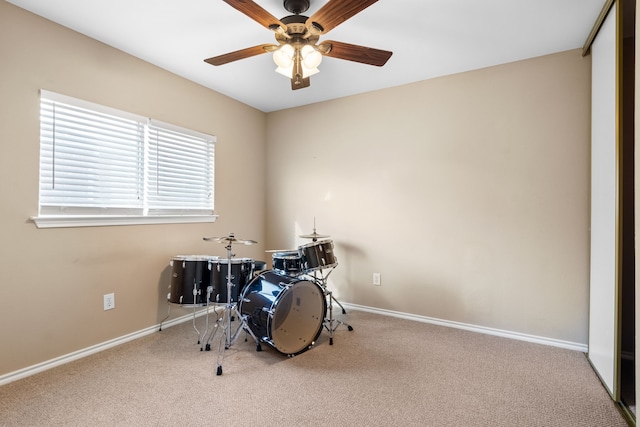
(298, 53)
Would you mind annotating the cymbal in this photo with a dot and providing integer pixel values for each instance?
(314, 235)
(230, 239)
(281, 250)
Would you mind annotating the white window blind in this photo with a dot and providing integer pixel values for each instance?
(99, 161)
(180, 170)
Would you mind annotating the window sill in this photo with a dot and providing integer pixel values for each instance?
(51, 221)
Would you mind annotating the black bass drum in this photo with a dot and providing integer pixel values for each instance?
(285, 312)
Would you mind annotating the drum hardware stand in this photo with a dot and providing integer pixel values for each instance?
(330, 324)
(324, 286)
(195, 308)
(206, 328)
(230, 339)
(314, 238)
(168, 313)
(229, 308)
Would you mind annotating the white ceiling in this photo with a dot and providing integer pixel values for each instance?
(429, 38)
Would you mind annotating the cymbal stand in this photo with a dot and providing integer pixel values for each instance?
(228, 314)
(323, 282)
(330, 324)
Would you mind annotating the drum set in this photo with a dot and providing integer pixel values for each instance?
(286, 307)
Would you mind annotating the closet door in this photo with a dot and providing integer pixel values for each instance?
(605, 204)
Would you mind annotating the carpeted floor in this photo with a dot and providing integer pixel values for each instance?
(386, 372)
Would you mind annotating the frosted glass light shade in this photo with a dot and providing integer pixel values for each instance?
(283, 57)
(311, 58)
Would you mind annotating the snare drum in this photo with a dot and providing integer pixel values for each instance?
(317, 255)
(285, 312)
(241, 272)
(288, 262)
(190, 278)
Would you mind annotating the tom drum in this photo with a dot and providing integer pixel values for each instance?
(288, 262)
(317, 255)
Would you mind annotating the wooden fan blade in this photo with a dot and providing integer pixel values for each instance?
(257, 13)
(334, 13)
(352, 52)
(240, 54)
(306, 82)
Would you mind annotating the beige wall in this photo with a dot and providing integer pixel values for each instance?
(53, 279)
(468, 193)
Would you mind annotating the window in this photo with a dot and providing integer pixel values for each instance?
(100, 166)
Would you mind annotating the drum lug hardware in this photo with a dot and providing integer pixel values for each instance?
(285, 285)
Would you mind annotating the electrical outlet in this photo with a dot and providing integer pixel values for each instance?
(109, 301)
(376, 279)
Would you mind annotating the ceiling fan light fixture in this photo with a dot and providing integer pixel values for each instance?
(308, 72)
(311, 58)
(301, 69)
(285, 71)
(304, 60)
(283, 57)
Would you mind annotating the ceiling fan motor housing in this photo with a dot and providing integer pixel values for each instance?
(295, 24)
(296, 6)
(296, 32)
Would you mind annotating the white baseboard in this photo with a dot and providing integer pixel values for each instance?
(40, 367)
(474, 328)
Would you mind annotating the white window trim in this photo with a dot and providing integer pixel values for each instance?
(67, 221)
(51, 221)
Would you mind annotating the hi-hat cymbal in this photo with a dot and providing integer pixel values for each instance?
(314, 235)
(230, 239)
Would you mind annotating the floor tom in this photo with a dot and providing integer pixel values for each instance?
(241, 272)
(190, 278)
